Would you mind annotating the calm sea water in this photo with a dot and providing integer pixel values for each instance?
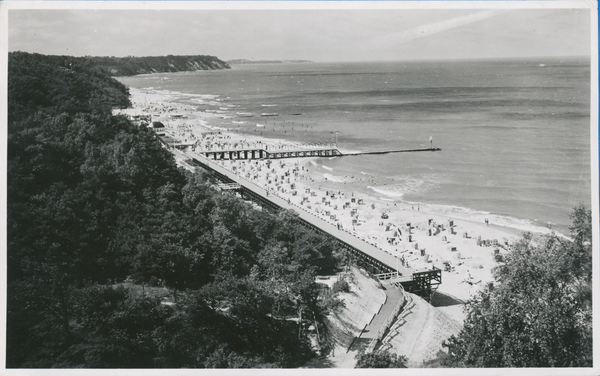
(515, 134)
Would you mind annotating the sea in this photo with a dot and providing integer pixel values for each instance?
(514, 134)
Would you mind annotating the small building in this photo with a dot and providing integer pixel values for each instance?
(158, 127)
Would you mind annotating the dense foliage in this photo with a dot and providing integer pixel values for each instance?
(539, 311)
(97, 66)
(58, 85)
(130, 65)
(102, 227)
(380, 359)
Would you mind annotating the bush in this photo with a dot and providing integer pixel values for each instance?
(381, 359)
(340, 286)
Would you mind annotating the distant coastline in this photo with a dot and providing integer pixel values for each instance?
(131, 66)
(246, 61)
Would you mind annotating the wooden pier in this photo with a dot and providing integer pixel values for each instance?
(266, 153)
(296, 152)
(382, 264)
(393, 151)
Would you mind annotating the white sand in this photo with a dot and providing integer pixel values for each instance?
(362, 302)
(419, 331)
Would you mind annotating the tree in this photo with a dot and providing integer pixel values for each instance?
(381, 359)
(536, 314)
(119, 328)
(247, 305)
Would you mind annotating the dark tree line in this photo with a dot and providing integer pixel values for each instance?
(94, 201)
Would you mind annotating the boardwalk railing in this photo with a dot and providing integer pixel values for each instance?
(389, 322)
(384, 276)
(228, 186)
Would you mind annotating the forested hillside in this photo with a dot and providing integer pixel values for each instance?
(128, 66)
(117, 258)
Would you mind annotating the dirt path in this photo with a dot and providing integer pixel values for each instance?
(361, 303)
(419, 332)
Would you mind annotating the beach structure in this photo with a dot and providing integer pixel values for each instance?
(264, 151)
(158, 127)
(383, 265)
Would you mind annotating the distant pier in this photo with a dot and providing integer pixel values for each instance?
(392, 151)
(274, 152)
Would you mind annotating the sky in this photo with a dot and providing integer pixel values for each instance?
(317, 35)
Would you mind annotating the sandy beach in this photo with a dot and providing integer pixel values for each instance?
(416, 234)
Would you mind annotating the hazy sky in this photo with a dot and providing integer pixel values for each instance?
(319, 35)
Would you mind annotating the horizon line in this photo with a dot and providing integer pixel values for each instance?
(308, 61)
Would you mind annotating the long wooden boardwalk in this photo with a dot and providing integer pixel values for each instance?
(245, 153)
(420, 280)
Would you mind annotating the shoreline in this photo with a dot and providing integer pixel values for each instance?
(435, 237)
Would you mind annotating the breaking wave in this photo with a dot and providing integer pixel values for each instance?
(480, 216)
(335, 178)
(391, 192)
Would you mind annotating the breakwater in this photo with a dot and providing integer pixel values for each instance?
(392, 151)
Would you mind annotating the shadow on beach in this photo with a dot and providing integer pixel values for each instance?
(439, 299)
